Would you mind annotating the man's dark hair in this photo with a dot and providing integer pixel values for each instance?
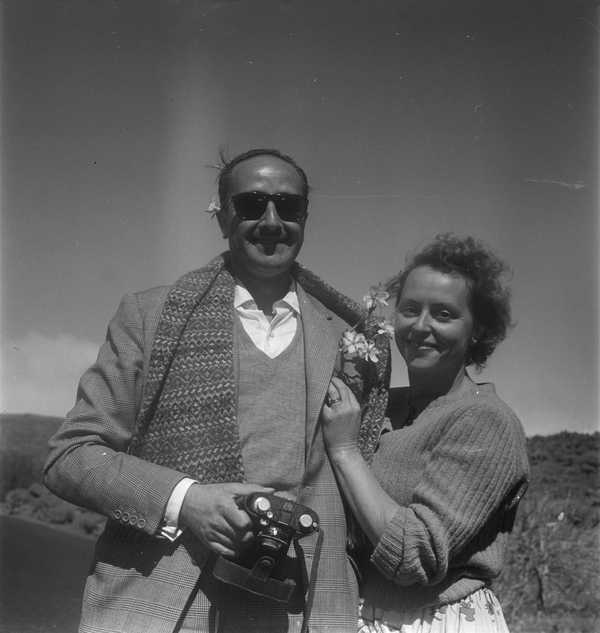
(483, 271)
(226, 167)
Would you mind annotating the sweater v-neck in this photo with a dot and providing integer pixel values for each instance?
(399, 406)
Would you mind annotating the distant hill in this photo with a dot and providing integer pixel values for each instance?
(551, 579)
(23, 448)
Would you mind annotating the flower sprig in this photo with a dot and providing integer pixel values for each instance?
(214, 206)
(356, 344)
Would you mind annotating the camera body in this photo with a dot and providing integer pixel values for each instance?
(278, 521)
(264, 567)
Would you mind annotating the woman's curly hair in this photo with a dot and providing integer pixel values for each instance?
(485, 275)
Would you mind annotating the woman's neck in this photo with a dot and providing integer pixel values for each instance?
(424, 389)
(422, 392)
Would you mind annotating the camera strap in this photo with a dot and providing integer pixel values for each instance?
(313, 577)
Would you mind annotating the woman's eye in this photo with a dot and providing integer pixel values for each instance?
(408, 311)
(443, 315)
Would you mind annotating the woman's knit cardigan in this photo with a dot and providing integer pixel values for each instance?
(457, 471)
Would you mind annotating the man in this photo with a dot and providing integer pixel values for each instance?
(199, 388)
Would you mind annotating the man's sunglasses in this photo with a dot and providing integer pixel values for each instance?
(251, 205)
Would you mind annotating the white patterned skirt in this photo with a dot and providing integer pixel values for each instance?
(479, 612)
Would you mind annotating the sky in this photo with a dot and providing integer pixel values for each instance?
(410, 118)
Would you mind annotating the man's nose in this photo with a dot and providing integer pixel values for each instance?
(270, 219)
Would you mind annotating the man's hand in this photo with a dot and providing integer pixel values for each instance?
(211, 513)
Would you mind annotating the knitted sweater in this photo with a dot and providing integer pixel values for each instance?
(457, 471)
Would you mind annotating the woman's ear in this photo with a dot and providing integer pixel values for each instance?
(476, 335)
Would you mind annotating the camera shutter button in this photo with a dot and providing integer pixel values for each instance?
(262, 504)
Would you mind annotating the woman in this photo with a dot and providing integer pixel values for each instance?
(441, 492)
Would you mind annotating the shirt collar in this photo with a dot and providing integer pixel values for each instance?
(242, 297)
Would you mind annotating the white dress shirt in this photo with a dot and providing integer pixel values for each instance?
(271, 335)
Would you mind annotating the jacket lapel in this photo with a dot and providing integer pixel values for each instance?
(322, 332)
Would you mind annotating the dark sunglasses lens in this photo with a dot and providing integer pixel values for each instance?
(290, 207)
(250, 206)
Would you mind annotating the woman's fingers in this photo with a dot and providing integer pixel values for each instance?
(345, 393)
(333, 395)
(340, 387)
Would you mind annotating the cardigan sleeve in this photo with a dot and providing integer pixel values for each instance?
(88, 463)
(478, 460)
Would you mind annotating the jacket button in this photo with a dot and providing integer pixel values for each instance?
(132, 519)
(141, 523)
(125, 517)
(117, 514)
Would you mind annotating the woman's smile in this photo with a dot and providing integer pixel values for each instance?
(434, 324)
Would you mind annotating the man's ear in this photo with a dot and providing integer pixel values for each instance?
(224, 222)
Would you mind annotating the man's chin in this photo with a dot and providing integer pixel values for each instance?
(270, 265)
(259, 263)
(269, 249)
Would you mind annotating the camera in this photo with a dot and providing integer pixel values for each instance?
(264, 568)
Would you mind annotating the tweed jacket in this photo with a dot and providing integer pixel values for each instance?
(141, 583)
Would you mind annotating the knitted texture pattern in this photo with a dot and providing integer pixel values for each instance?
(456, 472)
(187, 420)
(188, 416)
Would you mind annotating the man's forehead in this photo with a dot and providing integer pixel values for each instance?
(269, 168)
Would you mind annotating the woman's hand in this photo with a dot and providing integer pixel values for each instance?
(340, 418)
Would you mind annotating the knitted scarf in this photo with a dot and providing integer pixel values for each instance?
(187, 420)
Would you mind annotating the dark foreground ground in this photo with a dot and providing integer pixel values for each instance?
(41, 577)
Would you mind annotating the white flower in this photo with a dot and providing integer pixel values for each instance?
(386, 328)
(358, 345)
(353, 343)
(371, 353)
(214, 206)
(377, 296)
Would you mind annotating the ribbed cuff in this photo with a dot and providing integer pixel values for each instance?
(389, 551)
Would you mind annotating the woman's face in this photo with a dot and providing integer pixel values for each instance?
(434, 324)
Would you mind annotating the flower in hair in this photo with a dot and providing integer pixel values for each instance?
(214, 206)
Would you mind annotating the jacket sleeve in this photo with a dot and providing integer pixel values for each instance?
(477, 463)
(88, 463)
